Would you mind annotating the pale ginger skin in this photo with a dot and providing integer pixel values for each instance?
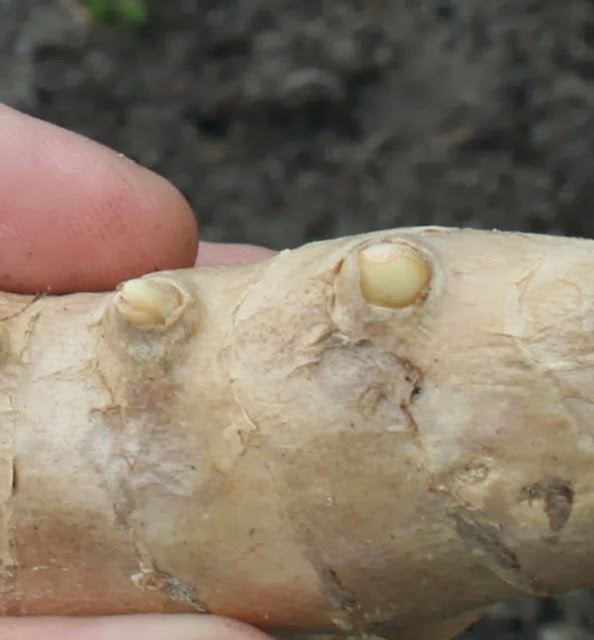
(383, 433)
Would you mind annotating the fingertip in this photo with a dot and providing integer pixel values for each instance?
(130, 627)
(75, 215)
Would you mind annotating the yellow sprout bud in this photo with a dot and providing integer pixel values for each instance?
(393, 275)
(148, 303)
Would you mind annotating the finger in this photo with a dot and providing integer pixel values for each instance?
(140, 627)
(75, 215)
(214, 253)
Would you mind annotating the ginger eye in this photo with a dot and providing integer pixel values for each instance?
(392, 275)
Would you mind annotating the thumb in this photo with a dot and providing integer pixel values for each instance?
(135, 627)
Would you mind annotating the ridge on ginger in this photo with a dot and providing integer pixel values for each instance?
(383, 434)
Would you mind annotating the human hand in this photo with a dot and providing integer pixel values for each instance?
(77, 216)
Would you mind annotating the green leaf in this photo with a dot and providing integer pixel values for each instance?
(101, 10)
(133, 12)
(130, 13)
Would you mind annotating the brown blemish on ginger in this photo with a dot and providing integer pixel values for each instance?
(557, 496)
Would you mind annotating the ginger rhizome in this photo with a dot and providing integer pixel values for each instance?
(381, 433)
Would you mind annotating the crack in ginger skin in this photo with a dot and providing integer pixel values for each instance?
(277, 443)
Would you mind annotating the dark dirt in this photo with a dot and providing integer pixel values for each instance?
(287, 121)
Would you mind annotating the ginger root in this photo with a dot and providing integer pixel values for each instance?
(383, 433)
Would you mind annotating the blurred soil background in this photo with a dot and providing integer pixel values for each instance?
(289, 121)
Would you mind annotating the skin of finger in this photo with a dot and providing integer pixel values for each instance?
(139, 627)
(213, 254)
(75, 215)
